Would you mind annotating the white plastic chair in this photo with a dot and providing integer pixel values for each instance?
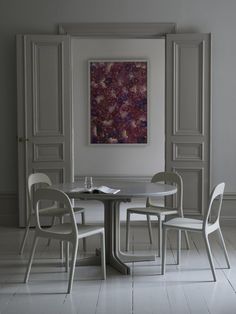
(34, 180)
(69, 232)
(204, 226)
(160, 211)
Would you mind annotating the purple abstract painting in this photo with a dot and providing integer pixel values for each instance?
(118, 102)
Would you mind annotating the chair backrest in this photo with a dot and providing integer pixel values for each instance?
(172, 178)
(217, 193)
(50, 194)
(34, 179)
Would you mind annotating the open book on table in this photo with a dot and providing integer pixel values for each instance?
(97, 190)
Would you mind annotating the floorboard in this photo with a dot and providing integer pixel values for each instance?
(185, 288)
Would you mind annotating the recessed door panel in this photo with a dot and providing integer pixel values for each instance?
(45, 128)
(188, 115)
(188, 87)
(47, 88)
(188, 152)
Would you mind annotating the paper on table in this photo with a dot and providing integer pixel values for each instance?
(107, 190)
(100, 189)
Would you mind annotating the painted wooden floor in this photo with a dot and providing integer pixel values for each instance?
(184, 289)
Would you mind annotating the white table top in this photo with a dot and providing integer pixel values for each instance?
(128, 189)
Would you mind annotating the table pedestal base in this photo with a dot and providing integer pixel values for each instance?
(114, 256)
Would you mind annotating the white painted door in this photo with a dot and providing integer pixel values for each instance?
(44, 111)
(188, 115)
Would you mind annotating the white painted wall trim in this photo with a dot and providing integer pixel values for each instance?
(118, 30)
(117, 178)
(230, 196)
(228, 212)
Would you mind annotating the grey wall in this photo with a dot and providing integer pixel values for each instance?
(121, 160)
(215, 16)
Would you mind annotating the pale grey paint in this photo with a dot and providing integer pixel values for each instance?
(217, 17)
(128, 160)
(45, 128)
(188, 115)
(187, 95)
(117, 30)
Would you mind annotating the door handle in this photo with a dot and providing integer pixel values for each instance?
(22, 139)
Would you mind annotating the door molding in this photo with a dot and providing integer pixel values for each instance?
(117, 30)
(188, 115)
(44, 107)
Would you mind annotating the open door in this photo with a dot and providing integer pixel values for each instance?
(188, 115)
(44, 111)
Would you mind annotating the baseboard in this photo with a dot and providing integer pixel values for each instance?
(228, 211)
(228, 221)
(8, 209)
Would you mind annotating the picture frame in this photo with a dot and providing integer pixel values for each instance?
(118, 98)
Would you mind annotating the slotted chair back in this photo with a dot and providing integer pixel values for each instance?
(49, 194)
(216, 195)
(170, 178)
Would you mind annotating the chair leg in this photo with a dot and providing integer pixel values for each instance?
(178, 246)
(103, 255)
(127, 229)
(159, 235)
(53, 223)
(209, 254)
(149, 228)
(31, 260)
(187, 239)
(163, 260)
(61, 242)
(224, 247)
(67, 256)
(84, 239)
(25, 236)
(72, 269)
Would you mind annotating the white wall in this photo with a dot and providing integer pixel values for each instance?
(215, 16)
(126, 160)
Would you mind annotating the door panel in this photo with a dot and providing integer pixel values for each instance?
(188, 103)
(45, 127)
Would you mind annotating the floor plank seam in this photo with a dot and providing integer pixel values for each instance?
(169, 301)
(182, 290)
(99, 293)
(132, 293)
(195, 245)
(187, 301)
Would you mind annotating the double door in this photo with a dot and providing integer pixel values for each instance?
(45, 129)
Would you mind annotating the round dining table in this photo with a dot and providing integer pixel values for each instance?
(128, 190)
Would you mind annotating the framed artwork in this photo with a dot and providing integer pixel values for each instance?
(118, 101)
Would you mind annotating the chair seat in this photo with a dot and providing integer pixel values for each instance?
(77, 206)
(78, 209)
(153, 210)
(58, 211)
(86, 230)
(185, 223)
(83, 230)
(53, 211)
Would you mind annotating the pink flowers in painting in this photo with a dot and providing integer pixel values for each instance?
(118, 102)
